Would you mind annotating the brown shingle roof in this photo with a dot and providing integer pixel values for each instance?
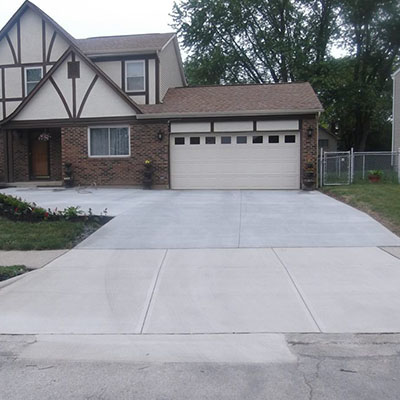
(238, 98)
(126, 43)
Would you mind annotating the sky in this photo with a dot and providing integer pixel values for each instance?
(88, 18)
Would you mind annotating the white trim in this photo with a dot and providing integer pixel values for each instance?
(394, 110)
(251, 113)
(395, 72)
(26, 77)
(109, 127)
(126, 75)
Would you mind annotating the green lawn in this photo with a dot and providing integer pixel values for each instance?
(381, 201)
(11, 271)
(46, 235)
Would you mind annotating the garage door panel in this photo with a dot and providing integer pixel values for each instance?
(235, 166)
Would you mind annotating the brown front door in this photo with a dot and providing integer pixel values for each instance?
(39, 158)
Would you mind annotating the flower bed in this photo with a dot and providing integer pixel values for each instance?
(18, 210)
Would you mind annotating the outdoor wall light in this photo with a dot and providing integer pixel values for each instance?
(160, 135)
(310, 131)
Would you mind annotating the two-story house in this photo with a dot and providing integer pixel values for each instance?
(105, 105)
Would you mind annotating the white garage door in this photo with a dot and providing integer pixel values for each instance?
(251, 160)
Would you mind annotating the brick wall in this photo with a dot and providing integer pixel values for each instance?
(20, 147)
(309, 150)
(117, 171)
(55, 156)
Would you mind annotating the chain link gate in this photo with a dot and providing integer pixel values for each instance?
(336, 167)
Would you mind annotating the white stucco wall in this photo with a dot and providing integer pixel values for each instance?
(31, 37)
(5, 53)
(112, 69)
(46, 104)
(103, 101)
(13, 82)
(11, 106)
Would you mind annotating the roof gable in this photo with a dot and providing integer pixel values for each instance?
(93, 94)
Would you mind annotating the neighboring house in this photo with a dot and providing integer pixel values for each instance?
(326, 140)
(396, 111)
(107, 104)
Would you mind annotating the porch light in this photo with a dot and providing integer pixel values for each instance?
(160, 135)
(310, 132)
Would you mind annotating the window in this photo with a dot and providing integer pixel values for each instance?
(241, 139)
(225, 140)
(290, 138)
(179, 140)
(134, 72)
(257, 139)
(109, 142)
(273, 139)
(210, 139)
(32, 78)
(324, 143)
(195, 140)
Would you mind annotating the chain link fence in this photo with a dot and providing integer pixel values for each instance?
(346, 167)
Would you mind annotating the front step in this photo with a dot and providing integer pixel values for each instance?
(32, 184)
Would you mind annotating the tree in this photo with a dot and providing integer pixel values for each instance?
(233, 41)
(253, 40)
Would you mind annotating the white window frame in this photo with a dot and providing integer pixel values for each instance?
(126, 76)
(110, 127)
(26, 77)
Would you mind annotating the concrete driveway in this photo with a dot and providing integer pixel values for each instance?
(176, 219)
(214, 263)
(207, 291)
(245, 219)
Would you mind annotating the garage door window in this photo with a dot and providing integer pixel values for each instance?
(109, 142)
(290, 138)
(195, 140)
(241, 139)
(210, 140)
(273, 139)
(257, 139)
(179, 140)
(226, 140)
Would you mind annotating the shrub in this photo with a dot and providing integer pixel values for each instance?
(19, 210)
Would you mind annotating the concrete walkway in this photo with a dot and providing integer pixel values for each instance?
(214, 291)
(32, 259)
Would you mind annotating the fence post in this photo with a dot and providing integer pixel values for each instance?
(351, 165)
(398, 164)
(363, 167)
(321, 167)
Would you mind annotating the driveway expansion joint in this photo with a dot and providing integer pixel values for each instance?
(297, 290)
(153, 291)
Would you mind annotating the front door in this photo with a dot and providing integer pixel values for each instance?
(39, 158)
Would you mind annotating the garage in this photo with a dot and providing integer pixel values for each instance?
(259, 159)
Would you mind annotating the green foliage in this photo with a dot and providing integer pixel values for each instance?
(375, 172)
(382, 201)
(7, 272)
(44, 235)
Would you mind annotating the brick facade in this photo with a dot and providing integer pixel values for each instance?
(117, 170)
(309, 148)
(70, 145)
(19, 155)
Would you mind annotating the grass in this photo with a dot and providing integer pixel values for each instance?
(380, 200)
(46, 235)
(11, 271)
